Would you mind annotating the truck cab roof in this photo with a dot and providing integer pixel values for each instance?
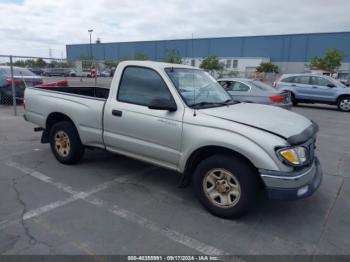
(153, 64)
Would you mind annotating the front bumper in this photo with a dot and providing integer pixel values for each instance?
(292, 185)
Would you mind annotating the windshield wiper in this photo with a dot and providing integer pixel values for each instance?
(206, 103)
(228, 102)
(203, 103)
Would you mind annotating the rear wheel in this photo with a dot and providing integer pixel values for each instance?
(344, 103)
(65, 143)
(225, 185)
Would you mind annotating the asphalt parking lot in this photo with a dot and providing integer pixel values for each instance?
(110, 204)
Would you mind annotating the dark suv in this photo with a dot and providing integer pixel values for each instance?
(311, 88)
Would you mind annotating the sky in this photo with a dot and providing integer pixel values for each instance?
(34, 27)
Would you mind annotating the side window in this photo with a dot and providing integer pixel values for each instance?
(302, 80)
(238, 87)
(288, 80)
(141, 85)
(225, 84)
(319, 81)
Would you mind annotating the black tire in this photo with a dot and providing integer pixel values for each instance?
(343, 103)
(75, 151)
(294, 101)
(245, 175)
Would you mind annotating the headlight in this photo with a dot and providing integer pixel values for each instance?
(295, 156)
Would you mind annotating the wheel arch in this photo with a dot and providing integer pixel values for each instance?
(204, 152)
(341, 96)
(52, 119)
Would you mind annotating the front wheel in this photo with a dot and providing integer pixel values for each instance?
(65, 143)
(226, 185)
(344, 104)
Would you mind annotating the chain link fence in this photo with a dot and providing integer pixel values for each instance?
(19, 72)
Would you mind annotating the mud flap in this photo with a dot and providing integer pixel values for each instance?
(45, 137)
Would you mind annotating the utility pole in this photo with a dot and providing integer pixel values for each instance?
(90, 32)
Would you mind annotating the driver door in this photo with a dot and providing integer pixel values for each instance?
(136, 130)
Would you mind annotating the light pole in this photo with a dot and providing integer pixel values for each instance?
(90, 32)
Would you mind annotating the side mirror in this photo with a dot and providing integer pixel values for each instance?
(162, 104)
(331, 85)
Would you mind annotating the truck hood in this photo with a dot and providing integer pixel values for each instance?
(291, 126)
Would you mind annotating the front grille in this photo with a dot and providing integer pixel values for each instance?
(310, 145)
(312, 152)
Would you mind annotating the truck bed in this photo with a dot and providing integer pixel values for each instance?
(91, 91)
(83, 105)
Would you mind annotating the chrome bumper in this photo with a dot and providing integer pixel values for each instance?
(292, 185)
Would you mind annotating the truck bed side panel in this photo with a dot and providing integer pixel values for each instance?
(85, 112)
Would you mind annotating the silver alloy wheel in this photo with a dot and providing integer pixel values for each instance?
(221, 188)
(345, 104)
(62, 143)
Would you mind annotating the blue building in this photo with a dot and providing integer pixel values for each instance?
(290, 52)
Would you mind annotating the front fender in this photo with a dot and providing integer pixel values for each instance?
(256, 145)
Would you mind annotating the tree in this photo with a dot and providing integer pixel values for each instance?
(173, 56)
(211, 64)
(40, 62)
(140, 57)
(20, 63)
(30, 63)
(267, 67)
(330, 62)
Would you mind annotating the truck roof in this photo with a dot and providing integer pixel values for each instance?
(154, 64)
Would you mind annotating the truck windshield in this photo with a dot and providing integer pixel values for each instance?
(198, 88)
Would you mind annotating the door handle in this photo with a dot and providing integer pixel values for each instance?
(314, 87)
(117, 113)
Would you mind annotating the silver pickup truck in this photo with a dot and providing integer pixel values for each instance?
(180, 118)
